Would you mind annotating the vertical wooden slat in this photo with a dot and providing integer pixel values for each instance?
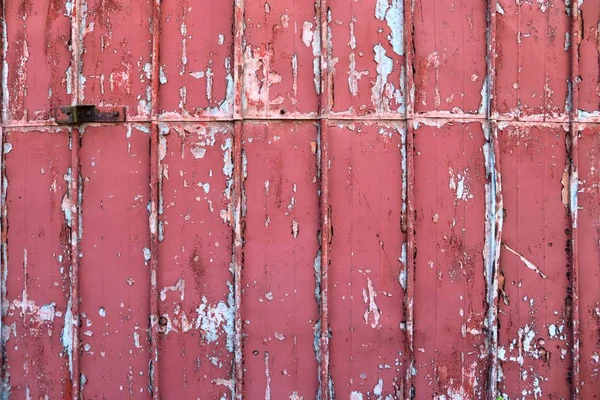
(535, 309)
(238, 252)
(37, 279)
(409, 209)
(195, 274)
(154, 367)
(494, 207)
(114, 282)
(238, 192)
(450, 289)
(75, 196)
(3, 208)
(588, 240)
(369, 254)
(573, 148)
(325, 208)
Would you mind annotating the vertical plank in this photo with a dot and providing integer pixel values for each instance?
(116, 52)
(36, 280)
(589, 56)
(449, 63)
(281, 59)
(237, 259)
(532, 50)
(535, 305)
(450, 289)
(36, 58)
(196, 71)
(368, 260)
(114, 273)
(153, 217)
(589, 253)
(194, 275)
(281, 261)
(409, 215)
(367, 40)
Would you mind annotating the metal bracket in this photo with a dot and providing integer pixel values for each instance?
(83, 113)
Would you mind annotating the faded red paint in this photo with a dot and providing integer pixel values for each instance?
(113, 329)
(589, 240)
(535, 306)
(333, 199)
(366, 284)
(116, 67)
(531, 64)
(449, 60)
(37, 296)
(196, 243)
(589, 50)
(196, 52)
(279, 312)
(450, 346)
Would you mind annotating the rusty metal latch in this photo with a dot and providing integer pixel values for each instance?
(85, 113)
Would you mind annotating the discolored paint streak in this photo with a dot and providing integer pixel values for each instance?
(384, 199)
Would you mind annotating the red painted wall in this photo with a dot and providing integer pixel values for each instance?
(352, 199)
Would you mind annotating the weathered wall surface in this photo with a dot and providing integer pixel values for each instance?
(354, 199)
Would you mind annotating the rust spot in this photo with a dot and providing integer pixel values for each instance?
(196, 266)
(104, 9)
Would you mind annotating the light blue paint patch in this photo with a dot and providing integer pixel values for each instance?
(574, 188)
(381, 8)
(582, 114)
(395, 20)
(384, 69)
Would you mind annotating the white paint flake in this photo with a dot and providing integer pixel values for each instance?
(198, 152)
(527, 263)
(372, 313)
(393, 14)
(379, 91)
(178, 287)
(459, 185)
(356, 396)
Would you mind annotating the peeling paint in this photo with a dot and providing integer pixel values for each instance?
(527, 263)
(393, 14)
(459, 183)
(372, 313)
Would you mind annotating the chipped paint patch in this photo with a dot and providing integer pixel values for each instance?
(178, 287)
(214, 319)
(383, 92)
(296, 396)
(527, 263)
(356, 396)
(459, 184)
(394, 16)
(372, 313)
